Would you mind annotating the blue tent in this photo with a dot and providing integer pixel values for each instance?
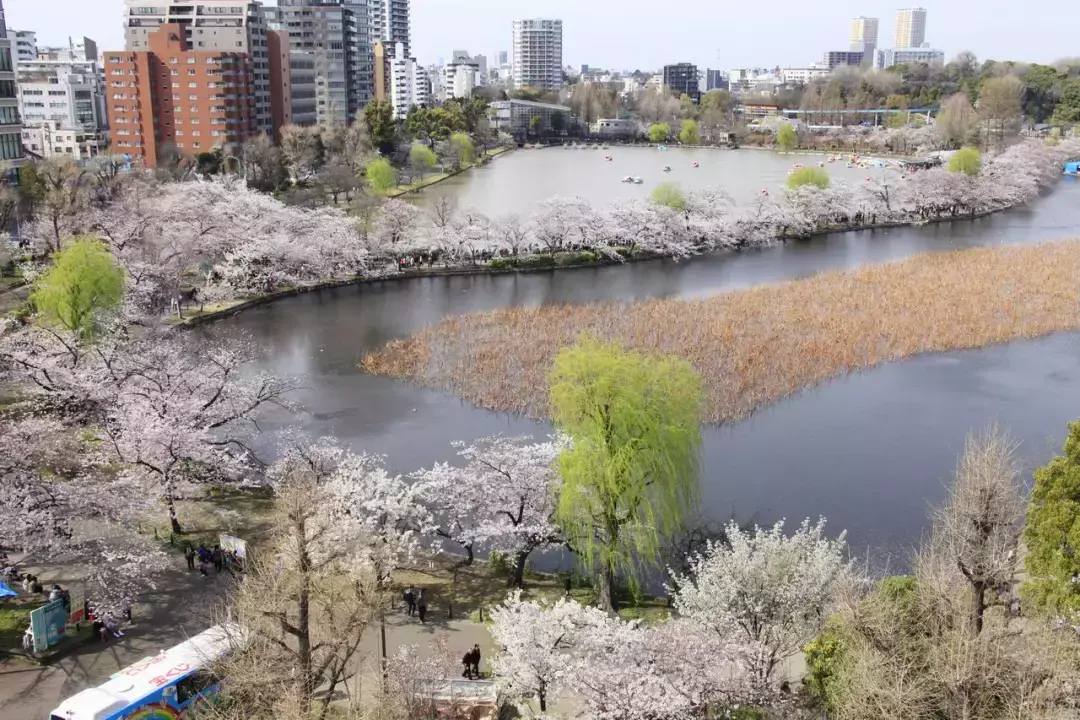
(1072, 168)
(6, 591)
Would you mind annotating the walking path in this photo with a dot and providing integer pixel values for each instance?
(183, 604)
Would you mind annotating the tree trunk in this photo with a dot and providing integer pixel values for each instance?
(517, 578)
(605, 590)
(174, 520)
(980, 604)
(542, 695)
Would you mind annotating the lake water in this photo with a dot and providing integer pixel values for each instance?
(869, 451)
(516, 181)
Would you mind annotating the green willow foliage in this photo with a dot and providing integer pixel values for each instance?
(966, 160)
(808, 176)
(83, 281)
(1052, 533)
(632, 470)
(670, 195)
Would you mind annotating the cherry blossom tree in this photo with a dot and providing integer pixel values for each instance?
(503, 497)
(182, 410)
(772, 590)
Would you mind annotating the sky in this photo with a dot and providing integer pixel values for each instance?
(631, 34)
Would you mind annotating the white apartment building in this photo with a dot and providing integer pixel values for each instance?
(48, 140)
(864, 35)
(70, 94)
(408, 83)
(537, 54)
(801, 76)
(237, 26)
(11, 153)
(25, 44)
(905, 56)
(910, 28)
(459, 81)
(389, 22)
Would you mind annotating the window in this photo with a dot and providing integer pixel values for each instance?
(193, 85)
(9, 116)
(173, 61)
(174, 72)
(5, 59)
(194, 108)
(10, 146)
(191, 60)
(191, 71)
(175, 97)
(191, 97)
(7, 90)
(196, 133)
(179, 132)
(176, 85)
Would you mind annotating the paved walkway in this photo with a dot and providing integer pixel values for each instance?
(181, 606)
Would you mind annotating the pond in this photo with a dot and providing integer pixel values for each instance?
(515, 182)
(869, 451)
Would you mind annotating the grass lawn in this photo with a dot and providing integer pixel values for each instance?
(438, 177)
(15, 618)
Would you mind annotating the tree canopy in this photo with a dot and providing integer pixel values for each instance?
(659, 132)
(808, 176)
(381, 175)
(83, 281)
(786, 138)
(632, 469)
(966, 160)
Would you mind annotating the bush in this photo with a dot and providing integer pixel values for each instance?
(822, 655)
(808, 176)
(669, 195)
(499, 563)
(537, 261)
(967, 161)
(578, 258)
(501, 264)
(659, 132)
(786, 137)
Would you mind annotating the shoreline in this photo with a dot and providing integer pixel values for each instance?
(219, 314)
(489, 155)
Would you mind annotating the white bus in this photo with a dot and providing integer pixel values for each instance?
(160, 687)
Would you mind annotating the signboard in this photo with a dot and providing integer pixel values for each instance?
(234, 545)
(78, 605)
(48, 624)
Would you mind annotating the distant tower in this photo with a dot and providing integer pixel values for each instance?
(864, 36)
(910, 28)
(537, 57)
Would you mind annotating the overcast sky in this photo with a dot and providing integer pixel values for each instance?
(633, 34)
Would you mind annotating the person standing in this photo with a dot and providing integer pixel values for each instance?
(421, 605)
(189, 555)
(215, 557)
(467, 662)
(476, 661)
(410, 601)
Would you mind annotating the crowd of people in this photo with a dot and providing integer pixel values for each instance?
(207, 558)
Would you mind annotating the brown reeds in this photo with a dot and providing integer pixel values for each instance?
(756, 346)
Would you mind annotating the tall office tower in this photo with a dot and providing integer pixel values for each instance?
(864, 35)
(910, 28)
(390, 23)
(537, 52)
(198, 75)
(331, 57)
(10, 126)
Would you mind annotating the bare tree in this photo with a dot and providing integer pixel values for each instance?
(957, 121)
(300, 610)
(978, 527)
(1000, 109)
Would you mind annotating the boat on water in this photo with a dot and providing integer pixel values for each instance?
(1072, 168)
(667, 168)
(638, 181)
(608, 158)
(628, 179)
(661, 147)
(694, 164)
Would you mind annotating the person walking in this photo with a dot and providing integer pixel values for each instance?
(216, 558)
(410, 601)
(189, 555)
(476, 661)
(466, 660)
(421, 605)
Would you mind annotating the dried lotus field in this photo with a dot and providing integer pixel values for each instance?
(754, 347)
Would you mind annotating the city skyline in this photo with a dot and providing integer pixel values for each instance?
(789, 34)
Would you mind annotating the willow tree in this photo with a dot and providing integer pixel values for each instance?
(83, 281)
(631, 472)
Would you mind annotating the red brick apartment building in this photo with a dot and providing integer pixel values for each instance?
(171, 88)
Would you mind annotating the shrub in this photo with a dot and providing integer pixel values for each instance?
(578, 258)
(659, 132)
(501, 264)
(966, 160)
(537, 261)
(669, 195)
(499, 563)
(808, 176)
(786, 138)
(822, 655)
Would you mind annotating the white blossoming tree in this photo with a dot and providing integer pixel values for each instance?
(502, 498)
(773, 590)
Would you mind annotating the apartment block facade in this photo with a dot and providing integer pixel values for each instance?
(537, 54)
(11, 153)
(910, 28)
(233, 28)
(864, 36)
(172, 94)
(336, 36)
(68, 93)
(682, 79)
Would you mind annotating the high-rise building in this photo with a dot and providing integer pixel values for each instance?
(504, 58)
(864, 36)
(195, 76)
(910, 28)
(836, 58)
(715, 80)
(336, 37)
(11, 151)
(390, 23)
(408, 82)
(537, 59)
(682, 79)
(232, 27)
(459, 81)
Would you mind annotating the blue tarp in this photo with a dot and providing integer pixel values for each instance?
(1072, 168)
(6, 591)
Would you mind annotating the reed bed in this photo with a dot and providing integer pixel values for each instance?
(754, 347)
